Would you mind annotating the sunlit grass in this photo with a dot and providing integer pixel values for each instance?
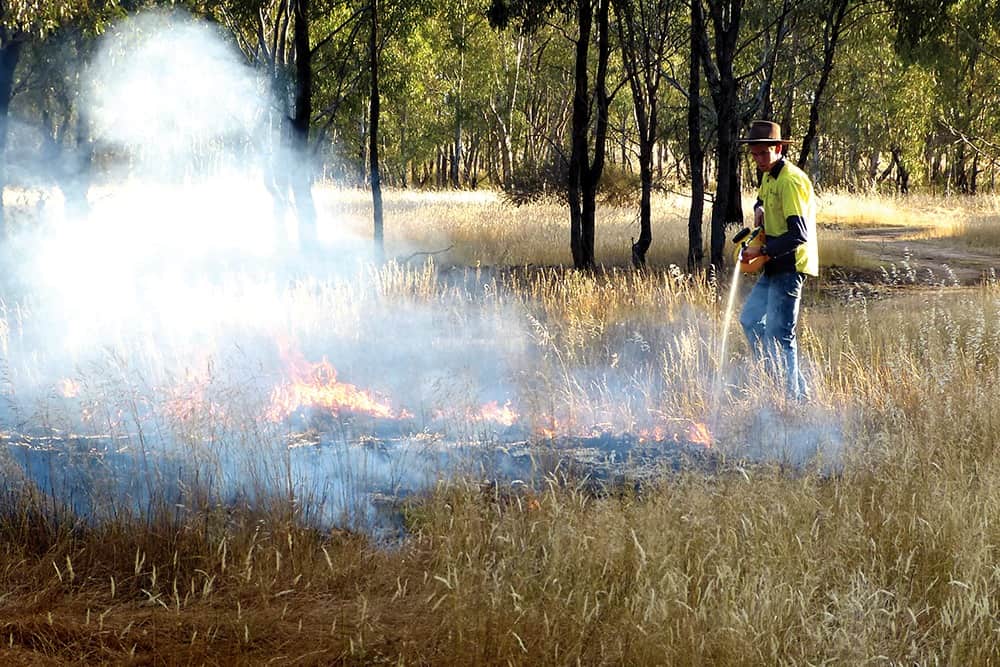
(964, 219)
(476, 228)
(980, 229)
(922, 213)
(470, 229)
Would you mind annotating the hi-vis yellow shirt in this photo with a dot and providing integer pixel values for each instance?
(788, 194)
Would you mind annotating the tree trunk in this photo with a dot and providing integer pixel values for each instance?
(961, 179)
(578, 152)
(643, 49)
(456, 151)
(76, 172)
(76, 183)
(374, 110)
(457, 157)
(584, 173)
(695, 241)
(974, 175)
(641, 247)
(727, 209)
(302, 175)
(10, 53)
(602, 104)
(831, 36)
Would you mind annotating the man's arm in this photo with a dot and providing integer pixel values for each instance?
(796, 235)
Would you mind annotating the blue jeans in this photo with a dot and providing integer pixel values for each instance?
(769, 317)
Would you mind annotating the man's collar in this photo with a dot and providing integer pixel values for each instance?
(776, 169)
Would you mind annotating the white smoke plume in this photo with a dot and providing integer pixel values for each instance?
(153, 329)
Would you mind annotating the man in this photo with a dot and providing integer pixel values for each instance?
(786, 210)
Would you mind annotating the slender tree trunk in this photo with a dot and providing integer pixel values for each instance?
(506, 121)
(831, 36)
(10, 54)
(374, 110)
(76, 184)
(642, 50)
(578, 152)
(76, 174)
(973, 178)
(695, 241)
(457, 161)
(302, 176)
(602, 104)
(727, 207)
(961, 178)
(641, 247)
(456, 157)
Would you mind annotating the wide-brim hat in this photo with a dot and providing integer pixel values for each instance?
(764, 132)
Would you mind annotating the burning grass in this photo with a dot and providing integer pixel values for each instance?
(882, 548)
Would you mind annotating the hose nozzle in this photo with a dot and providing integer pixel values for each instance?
(746, 235)
(742, 234)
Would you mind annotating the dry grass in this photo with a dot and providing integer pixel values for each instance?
(888, 555)
(478, 228)
(921, 212)
(981, 227)
(967, 220)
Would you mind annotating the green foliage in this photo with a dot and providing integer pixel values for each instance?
(619, 186)
(920, 81)
(536, 183)
(878, 102)
(919, 23)
(38, 19)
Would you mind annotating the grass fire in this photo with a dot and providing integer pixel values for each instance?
(579, 470)
(242, 422)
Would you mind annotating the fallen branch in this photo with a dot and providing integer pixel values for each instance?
(424, 253)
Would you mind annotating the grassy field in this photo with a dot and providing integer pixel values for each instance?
(884, 548)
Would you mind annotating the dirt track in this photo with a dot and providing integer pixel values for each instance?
(908, 261)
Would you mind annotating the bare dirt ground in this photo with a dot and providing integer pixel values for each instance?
(888, 246)
(902, 260)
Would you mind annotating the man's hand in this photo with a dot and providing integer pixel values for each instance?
(752, 252)
(758, 216)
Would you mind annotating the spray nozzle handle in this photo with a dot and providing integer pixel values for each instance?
(746, 235)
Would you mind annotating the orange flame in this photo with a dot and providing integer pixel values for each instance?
(189, 403)
(488, 412)
(493, 412)
(655, 434)
(316, 385)
(549, 428)
(699, 434)
(695, 433)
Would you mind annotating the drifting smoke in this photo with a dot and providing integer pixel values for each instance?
(184, 203)
(156, 330)
(167, 86)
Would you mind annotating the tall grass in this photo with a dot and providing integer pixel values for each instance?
(887, 553)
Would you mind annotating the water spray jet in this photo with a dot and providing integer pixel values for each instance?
(743, 239)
